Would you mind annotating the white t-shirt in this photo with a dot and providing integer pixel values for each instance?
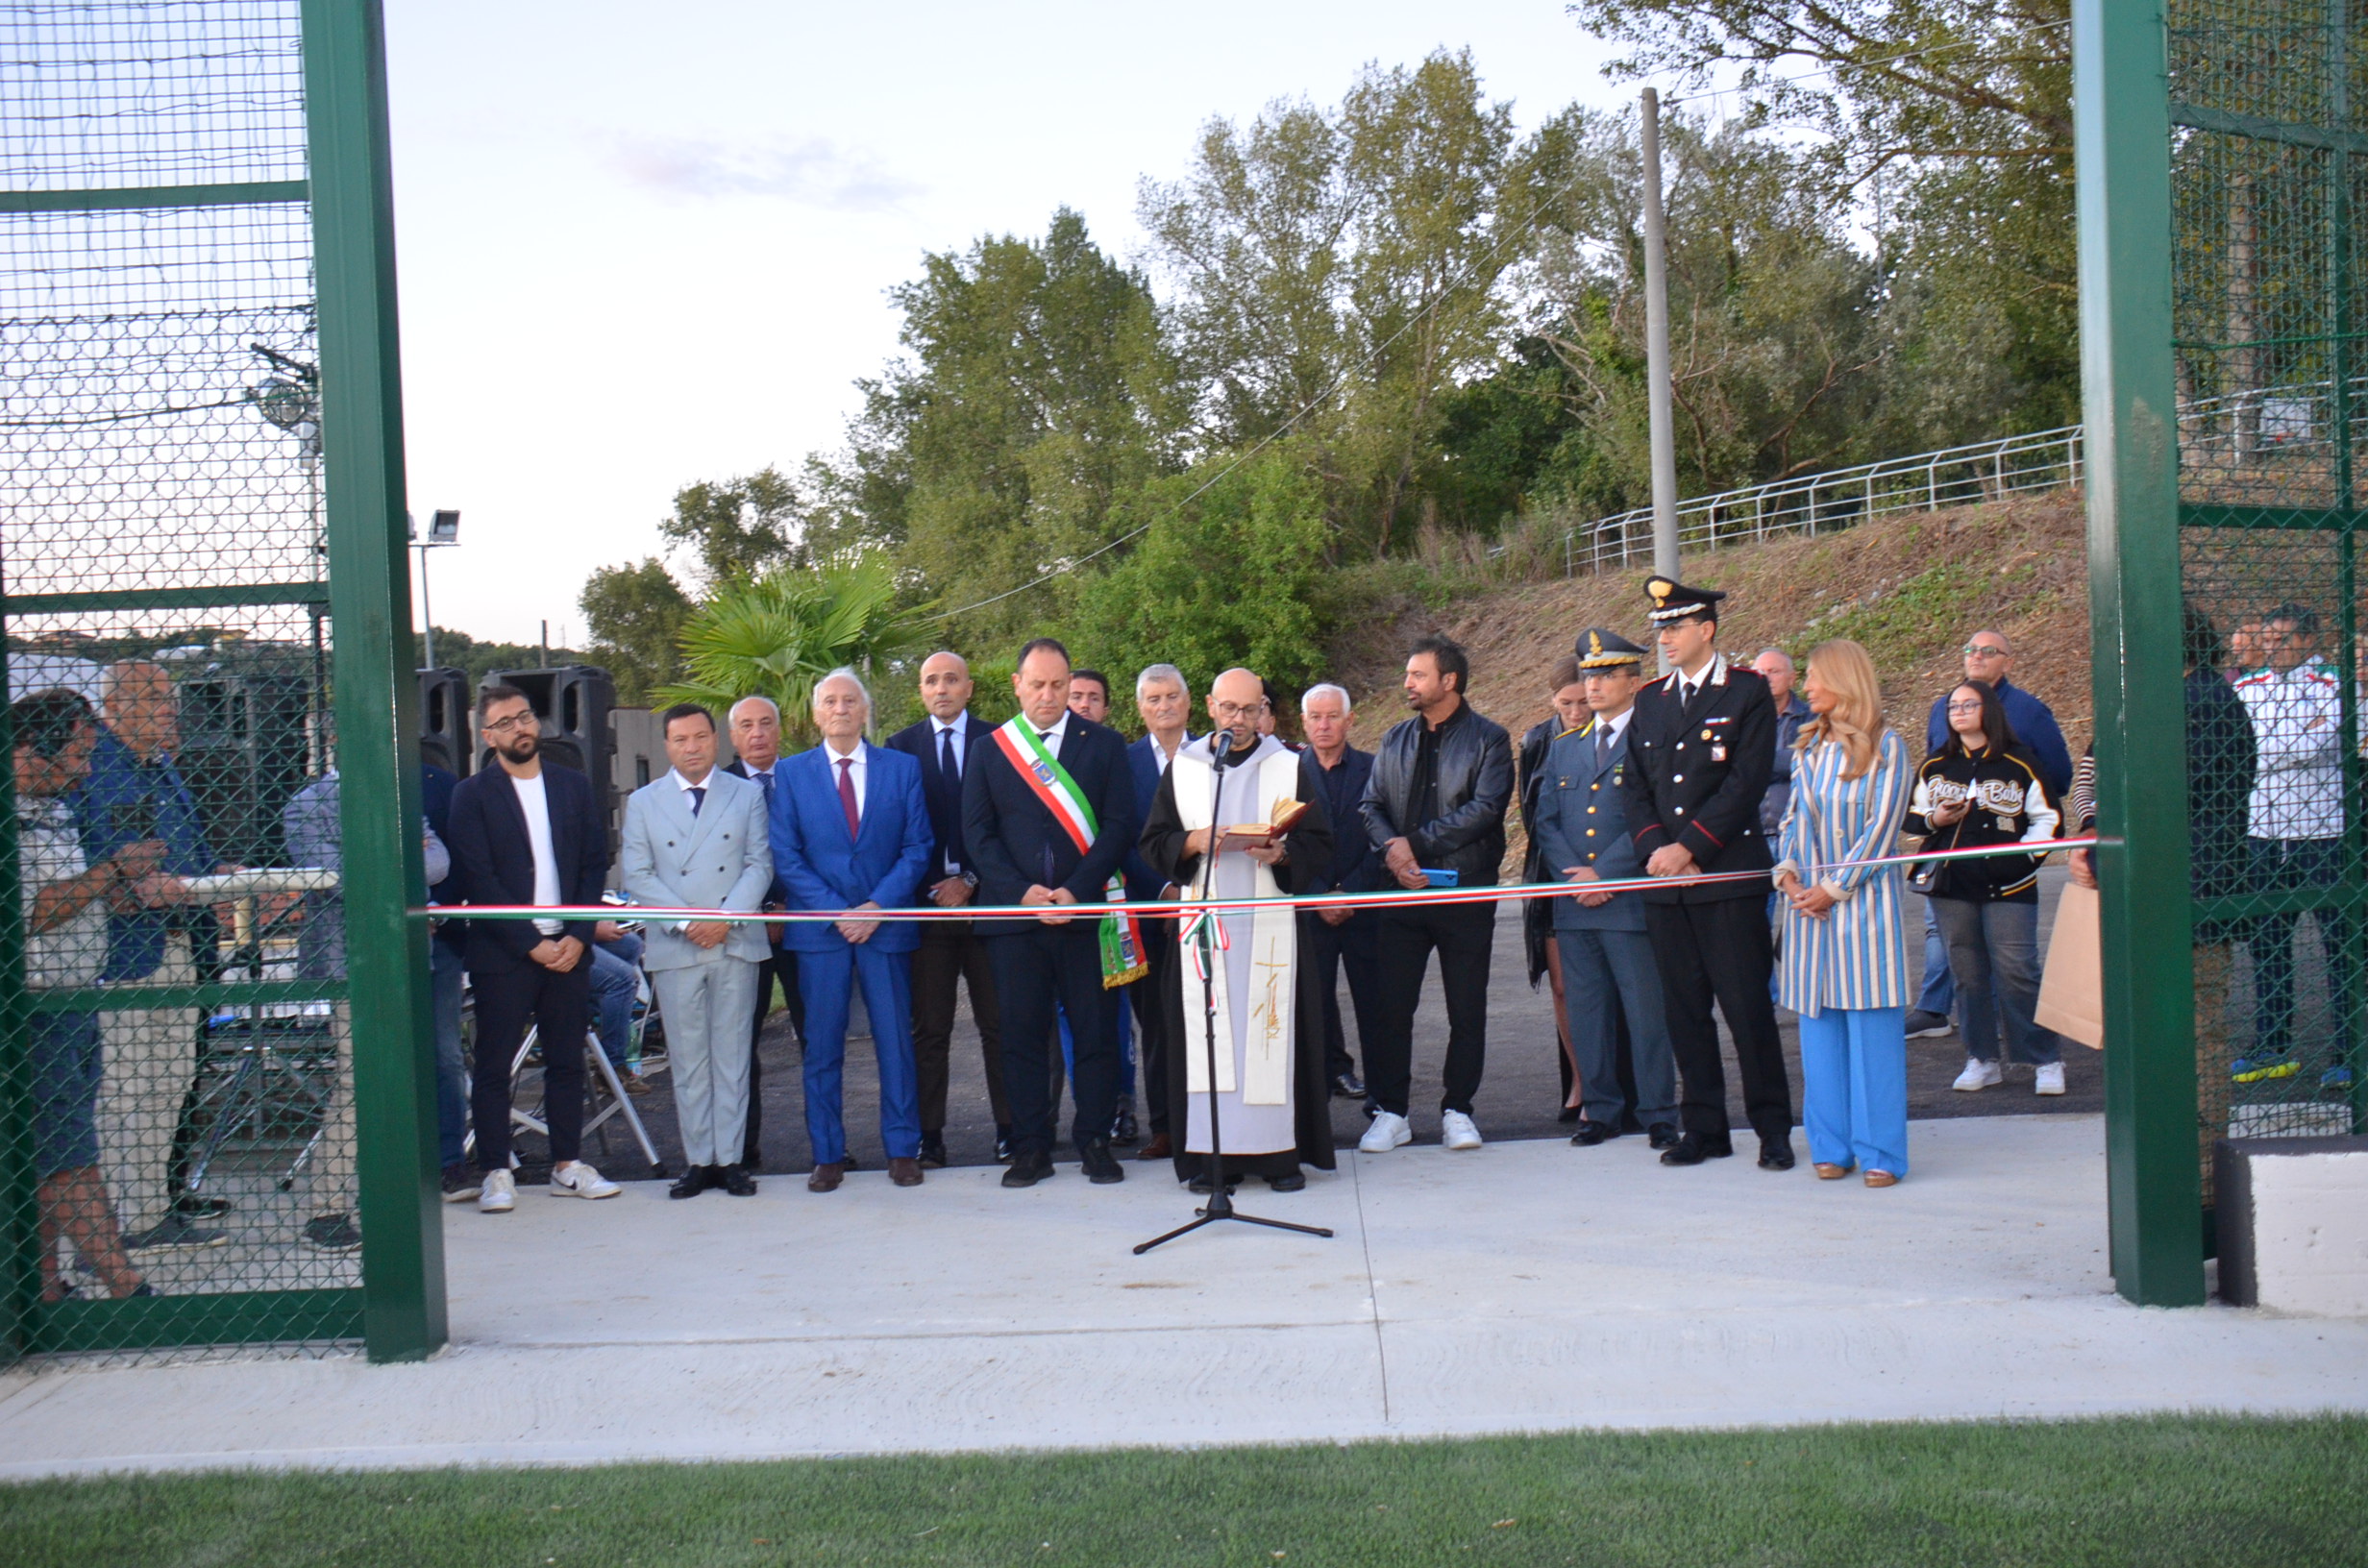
(537, 808)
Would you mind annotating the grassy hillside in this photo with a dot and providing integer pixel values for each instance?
(1909, 587)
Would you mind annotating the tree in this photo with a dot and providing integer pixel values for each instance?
(735, 527)
(1227, 576)
(636, 615)
(776, 635)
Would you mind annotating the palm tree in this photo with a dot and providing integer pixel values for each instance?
(778, 634)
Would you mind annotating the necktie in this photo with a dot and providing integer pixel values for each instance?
(1685, 694)
(946, 764)
(766, 779)
(1603, 746)
(847, 796)
(698, 798)
(1046, 737)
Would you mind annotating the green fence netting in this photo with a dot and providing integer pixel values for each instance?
(177, 1127)
(2269, 177)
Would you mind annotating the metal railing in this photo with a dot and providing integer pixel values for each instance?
(2237, 425)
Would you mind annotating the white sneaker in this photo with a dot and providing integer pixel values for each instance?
(2051, 1078)
(1458, 1131)
(577, 1180)
(499, 1195)
(1388, 1131)
(1981, 1074)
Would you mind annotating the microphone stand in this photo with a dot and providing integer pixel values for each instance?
(1221, 1199)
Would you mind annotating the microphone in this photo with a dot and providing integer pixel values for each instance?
(1220, 744)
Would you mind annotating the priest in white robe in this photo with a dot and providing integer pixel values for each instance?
(1272, 1109)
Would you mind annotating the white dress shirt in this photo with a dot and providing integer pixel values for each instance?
(686, 786)
(1053, 737)
(1159, 758)
(958, 726)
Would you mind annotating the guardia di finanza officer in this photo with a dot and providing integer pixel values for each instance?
(1702, 744)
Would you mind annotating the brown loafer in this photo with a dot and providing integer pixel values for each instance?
(1159, 1148)
(1831, 1173)
(1881, 1177)
(904, 1172)
(825, 1179)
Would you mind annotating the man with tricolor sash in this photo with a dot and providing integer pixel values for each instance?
(1048, 815)
(1272, 1113)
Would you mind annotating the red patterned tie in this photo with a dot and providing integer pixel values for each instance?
(847, 796)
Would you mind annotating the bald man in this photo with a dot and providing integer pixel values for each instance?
(950, 954)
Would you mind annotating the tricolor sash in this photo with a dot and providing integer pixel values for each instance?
(1121, 940)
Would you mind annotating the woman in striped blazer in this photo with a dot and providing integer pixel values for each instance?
(1845, 947)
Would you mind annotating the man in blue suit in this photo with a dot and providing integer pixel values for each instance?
(699, 839)
(1607, 955)
(851, 831)
(1341, 939)
(1165, 703)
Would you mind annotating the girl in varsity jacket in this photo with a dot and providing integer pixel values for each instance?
(1980, 788)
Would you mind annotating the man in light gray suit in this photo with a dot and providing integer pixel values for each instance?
(698, 838)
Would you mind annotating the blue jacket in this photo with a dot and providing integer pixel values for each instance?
(1356, 867)
(2035, 725)
(885, 864)
(1142, 881)
(122, 801)
(1582, 821)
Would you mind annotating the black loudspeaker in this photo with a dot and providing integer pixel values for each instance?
(573, 703)
(444, 719)
(243, 752)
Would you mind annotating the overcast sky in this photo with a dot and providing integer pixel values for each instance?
(643, 246)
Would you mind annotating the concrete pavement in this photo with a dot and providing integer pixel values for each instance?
(1526, 1286)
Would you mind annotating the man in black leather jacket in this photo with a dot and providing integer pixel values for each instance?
(1436, 802)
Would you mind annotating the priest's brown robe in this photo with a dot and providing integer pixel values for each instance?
(1308, 846)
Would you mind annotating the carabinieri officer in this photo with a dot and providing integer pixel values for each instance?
(1702, 744)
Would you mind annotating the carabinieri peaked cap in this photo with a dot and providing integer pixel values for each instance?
(1674, 601)
(1600, 648)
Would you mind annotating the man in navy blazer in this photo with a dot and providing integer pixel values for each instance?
(1027, 851)
(1341, 939)
(1582, 829)
(1164, 701)
(523, 833)
(851, 831)
(950, 953)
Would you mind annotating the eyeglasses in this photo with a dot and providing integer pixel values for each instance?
(1983, 650)
(1966, 707)
(516, 721)
(1240, 710)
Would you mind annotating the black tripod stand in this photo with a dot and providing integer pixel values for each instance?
(1220, 1201)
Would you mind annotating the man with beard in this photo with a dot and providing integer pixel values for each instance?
(1267, 1089)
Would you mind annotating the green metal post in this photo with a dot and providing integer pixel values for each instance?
(377, 696)
(2123, 150)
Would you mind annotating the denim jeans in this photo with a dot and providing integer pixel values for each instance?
(2277, 865)
(1938, 996)
(616, 984)
(445, 977)
(1994, 956)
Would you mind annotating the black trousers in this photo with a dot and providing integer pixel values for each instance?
(1147, 996)
(1463, 934)
(1032, 968)
(1351, 945)
(559, 1007)
(950, 953)
(1721, 950)
(783, 967)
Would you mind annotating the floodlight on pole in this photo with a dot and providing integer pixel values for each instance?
(443, 529)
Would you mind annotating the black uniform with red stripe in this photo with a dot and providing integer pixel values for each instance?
(1698, 770)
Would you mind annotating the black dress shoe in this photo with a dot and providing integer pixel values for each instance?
(736, 1181)
(1296, 1182)
(1693, 1149)
(1028, 1167)
(693, 1182)
(1569, 1114)
(1347, 1086)
(1663, 1135)
(1002, 1145)
(1101, 1166)
(932, 1151)
(1775, 1154)
(1201, 1183)
(1592, 1133)
(1122, 1127)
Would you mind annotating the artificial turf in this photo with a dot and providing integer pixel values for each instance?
(2224, 1491)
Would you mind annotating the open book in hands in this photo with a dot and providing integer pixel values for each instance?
(1262, 834)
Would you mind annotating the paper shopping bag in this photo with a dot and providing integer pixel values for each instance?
(2072, 989)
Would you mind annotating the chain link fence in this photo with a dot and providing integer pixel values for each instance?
(179, 1130)
(2269, 173)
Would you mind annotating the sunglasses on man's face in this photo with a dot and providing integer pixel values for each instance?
(1983, 650)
